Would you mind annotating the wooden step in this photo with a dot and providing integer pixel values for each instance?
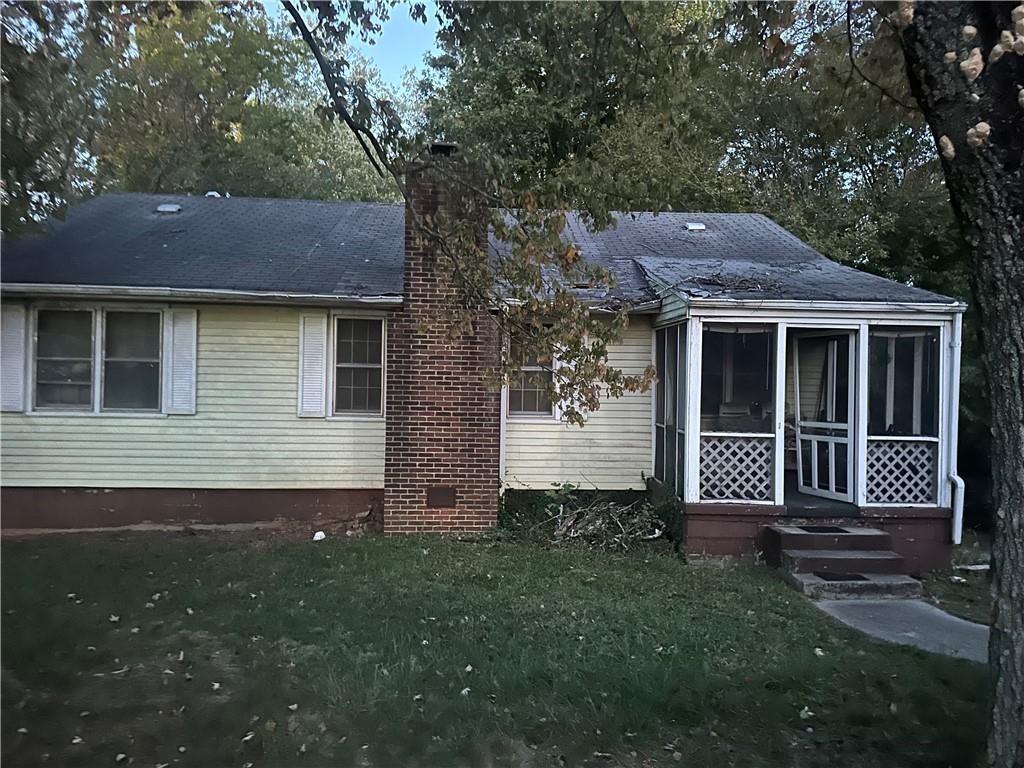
(829, 561)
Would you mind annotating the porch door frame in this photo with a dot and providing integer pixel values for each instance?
(850, 440)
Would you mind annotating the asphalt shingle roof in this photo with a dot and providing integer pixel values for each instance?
(236, 243)
(356, 249)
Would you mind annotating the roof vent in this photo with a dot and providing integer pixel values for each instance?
(168, 209)
(695, 226)
(213, 193)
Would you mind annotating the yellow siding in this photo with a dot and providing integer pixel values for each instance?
(245, 432)
(611, 452)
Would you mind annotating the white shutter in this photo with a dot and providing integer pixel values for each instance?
(313, 364)
(180, 361)
(12, 357)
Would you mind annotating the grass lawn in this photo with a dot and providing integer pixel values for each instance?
(226, 650)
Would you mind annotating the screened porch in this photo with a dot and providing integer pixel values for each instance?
(821, 415)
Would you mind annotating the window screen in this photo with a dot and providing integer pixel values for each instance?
(63, 375)
(359, 365)
(903, 382)
(131, 361)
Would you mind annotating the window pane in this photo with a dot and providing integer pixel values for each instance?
(64, 334)
(359, 341)
(63, 375)
(132, 335)
(531, 392)
(358, 389)
(131, 385)
(131, 361)
(63, 395)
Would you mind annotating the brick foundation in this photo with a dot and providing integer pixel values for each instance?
(443, 416)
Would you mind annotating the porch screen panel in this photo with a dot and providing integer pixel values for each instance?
(671, 373)
(659, 405)
(670, 405)
(737, 443)
(680, 395)
(903, 415)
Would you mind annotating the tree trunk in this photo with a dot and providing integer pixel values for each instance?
(986, 187)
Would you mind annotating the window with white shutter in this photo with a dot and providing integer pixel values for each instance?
(312, 395)
(12, 357)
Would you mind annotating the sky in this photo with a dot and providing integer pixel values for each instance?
(401, 44)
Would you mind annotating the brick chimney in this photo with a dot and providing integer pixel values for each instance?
(441, 466)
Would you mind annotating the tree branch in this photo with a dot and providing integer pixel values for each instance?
(856, 67)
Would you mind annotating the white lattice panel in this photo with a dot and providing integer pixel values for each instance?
(736, 468)
(901, 472)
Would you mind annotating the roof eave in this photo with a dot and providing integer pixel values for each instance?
(192, 295)
(952, 305)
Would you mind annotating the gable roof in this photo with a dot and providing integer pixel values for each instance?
(355, 250)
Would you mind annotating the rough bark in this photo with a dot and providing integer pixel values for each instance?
(986, 187)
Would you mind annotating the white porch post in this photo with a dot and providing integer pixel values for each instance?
(942, 456)
(691, 483)
(860, 422)
(780, 414)
(952, 436)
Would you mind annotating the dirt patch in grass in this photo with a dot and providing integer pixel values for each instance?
(967, 594)
(412, 651)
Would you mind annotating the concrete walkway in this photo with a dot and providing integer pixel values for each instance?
(913, 622)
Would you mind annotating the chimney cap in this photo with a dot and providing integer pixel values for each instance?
(443, 148)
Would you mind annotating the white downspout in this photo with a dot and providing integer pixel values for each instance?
(954, 424)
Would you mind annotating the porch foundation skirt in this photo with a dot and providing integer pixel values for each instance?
(920, 535)
(70, 508)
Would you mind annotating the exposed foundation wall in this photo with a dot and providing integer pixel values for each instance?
(56, 508)
(921, 535)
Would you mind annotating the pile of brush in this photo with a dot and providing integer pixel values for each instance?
(603, 524)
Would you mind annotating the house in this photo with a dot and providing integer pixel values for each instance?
(173, 358)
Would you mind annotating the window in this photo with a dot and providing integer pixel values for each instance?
(738, 378)
(131, 361)
(670, 406)
(530, 390)
(358, 365)
(903, 382)
(67, 356)
(64, 356)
